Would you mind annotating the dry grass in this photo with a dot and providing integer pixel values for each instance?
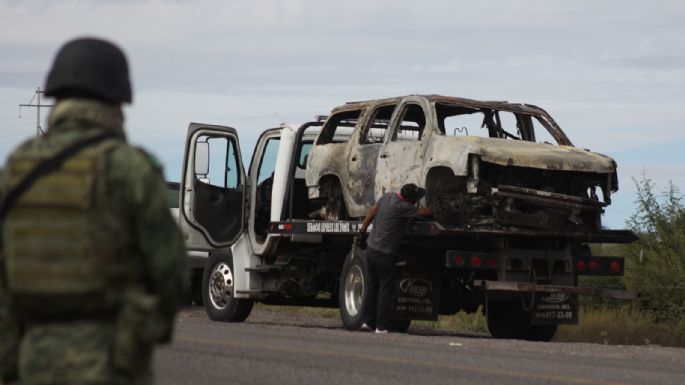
(459, 322)
(611, 326)
(622, 326)
(606, 325)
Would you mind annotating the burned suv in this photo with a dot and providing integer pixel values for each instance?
(486, 165)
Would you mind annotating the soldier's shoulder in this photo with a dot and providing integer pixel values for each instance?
(27, 145)
(134, 158)
(150, 158)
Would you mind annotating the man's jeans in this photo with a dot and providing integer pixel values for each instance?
(379, 289)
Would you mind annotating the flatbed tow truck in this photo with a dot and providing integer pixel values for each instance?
(253, 238)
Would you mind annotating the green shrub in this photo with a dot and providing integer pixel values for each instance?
(655, 265)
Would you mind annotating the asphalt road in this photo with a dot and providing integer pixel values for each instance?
(290, 347)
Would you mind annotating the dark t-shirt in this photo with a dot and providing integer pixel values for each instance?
(389, 222)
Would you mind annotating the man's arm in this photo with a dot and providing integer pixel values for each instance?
(369, 217)
(424, 212)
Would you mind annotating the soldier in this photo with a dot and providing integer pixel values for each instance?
(92, 265)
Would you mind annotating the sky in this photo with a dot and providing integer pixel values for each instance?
(611, 73)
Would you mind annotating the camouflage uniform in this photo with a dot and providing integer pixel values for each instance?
(149, 253)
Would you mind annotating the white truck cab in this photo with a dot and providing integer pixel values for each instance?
(226, 213)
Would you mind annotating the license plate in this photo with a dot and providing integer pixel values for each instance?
(555, 308)
(417, 296)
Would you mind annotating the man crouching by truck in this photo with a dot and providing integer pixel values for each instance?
(390, 216)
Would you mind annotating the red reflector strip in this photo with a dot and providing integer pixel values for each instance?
(492, 262)
(580, 266)
(459, 260)
(476, 261)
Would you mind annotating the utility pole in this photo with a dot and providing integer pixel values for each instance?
(39, 130)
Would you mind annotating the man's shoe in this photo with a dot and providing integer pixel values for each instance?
(381, 331)
(365, 328)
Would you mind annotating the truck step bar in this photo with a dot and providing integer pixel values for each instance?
(256, 291)
(530, 287)
(265, 268)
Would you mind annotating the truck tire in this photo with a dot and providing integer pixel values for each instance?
(351, 295)
(508, 320)
(542, 333)
(400, 325)
(218, 291)
(351, 291)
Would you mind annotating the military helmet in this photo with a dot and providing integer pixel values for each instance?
(91, 67)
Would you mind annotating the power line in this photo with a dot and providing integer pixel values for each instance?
(39, 130)
(9, 118)
(22, 124)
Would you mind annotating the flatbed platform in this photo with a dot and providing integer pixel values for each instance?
(434, 229)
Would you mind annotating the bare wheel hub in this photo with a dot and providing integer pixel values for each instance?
(221, 285)
(354, 290)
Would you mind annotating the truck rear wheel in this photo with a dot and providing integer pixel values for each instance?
(508, 320)
(400, 325)
(542, 333)
(218, 291)
(351, 292)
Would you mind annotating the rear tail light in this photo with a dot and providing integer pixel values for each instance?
(615, 267)
(466, 259)
(276, 227)
(597, 265)
(594, 266)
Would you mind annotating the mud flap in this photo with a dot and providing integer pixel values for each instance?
(554, 309)
(417, 295)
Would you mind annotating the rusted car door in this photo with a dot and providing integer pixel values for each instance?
(363, 155)
(400, 158)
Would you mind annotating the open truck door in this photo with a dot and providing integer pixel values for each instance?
(212, 188)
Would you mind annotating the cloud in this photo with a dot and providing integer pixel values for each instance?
(611, 73)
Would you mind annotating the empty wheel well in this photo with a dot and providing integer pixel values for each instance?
(328, 185)
(440, 181)
(445, 194)
(332, 198)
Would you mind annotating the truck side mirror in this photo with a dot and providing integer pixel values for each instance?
(201, 158)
